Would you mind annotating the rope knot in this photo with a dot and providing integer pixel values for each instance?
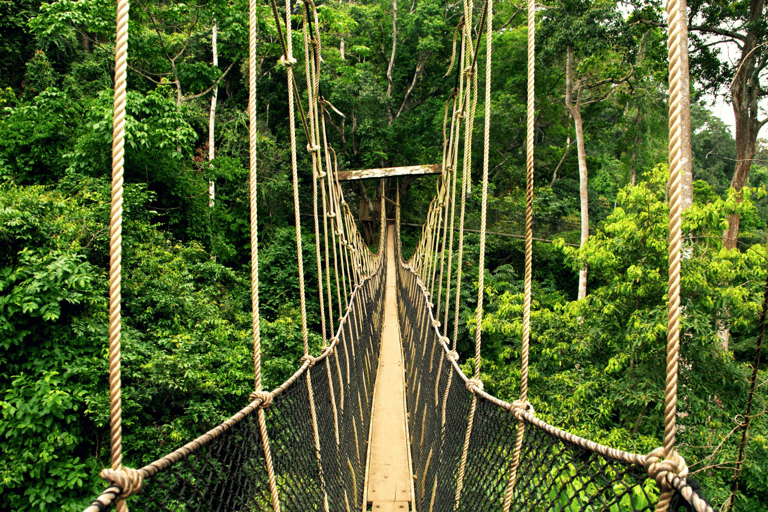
(474, 384)
(469, 71)
(129, 480)
(313, 148)
(452, 356)
(308, 359)
(334, 341)
(286, 62)
(444, 340)
(265, 396)
(436, 324)
(658, 467)
(522, 406)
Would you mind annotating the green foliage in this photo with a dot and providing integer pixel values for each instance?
(35, 137)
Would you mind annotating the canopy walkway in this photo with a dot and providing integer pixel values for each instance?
(384, 417)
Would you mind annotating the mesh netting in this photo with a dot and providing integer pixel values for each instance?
(228, 474)
(555, 473)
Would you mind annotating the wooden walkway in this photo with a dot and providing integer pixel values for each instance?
(389, 486)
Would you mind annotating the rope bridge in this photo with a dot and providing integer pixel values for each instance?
(304, 445)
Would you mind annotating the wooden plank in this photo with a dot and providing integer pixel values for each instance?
(389, 172)
(392, 506)
(388, 481)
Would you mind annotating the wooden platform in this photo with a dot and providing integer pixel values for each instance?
(388, 479)
(390, 172)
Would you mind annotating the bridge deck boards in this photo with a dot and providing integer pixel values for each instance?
(389, 481)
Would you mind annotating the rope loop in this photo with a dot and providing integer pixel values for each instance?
(522, 406)
(474, 385)
(265, 396)
(129, 480)
(286, 62)
(658, 467)
(308, 359)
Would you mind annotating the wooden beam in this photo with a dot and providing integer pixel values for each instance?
(388, 172)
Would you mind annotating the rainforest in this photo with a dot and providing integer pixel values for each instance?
(600, 220)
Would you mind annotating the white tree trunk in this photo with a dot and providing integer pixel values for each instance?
(212, 119)
(583, 193)
(575, 111)
(391, 63)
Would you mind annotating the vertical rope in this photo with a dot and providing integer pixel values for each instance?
(475, 383)
(253, 198)
(520, 431)
(677, 35)
(484, 200)
(115, 242)
(288, 61)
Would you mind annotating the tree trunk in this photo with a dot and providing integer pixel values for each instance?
(575, 111)
(686, 158)
(391, 63)
(745, 92)
(212, 117)
(635, 143)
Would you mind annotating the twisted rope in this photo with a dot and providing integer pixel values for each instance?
(258, 394)
(520, 431)
(115, 254)
(677, 32)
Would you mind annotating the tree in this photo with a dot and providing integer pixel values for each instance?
(596, 32)
(714, 26)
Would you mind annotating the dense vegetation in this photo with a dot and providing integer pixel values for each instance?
(597, 363)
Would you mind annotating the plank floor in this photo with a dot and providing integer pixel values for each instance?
(388, 480)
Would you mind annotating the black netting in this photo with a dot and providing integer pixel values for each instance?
(559, 475)
(228, 474)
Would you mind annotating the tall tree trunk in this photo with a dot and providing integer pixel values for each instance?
(575, 111)
(745, 92)
(391, 63)
(212, 117)
(686, 158)
(635, 143)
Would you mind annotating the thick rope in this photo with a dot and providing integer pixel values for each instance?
(124, 478)
(253, 199)
(520, 431)
(288, 61)
(677, 32)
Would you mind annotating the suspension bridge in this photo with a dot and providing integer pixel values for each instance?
(384, 418)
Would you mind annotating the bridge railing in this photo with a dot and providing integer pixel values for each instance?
(557, 471)
(225, 468)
